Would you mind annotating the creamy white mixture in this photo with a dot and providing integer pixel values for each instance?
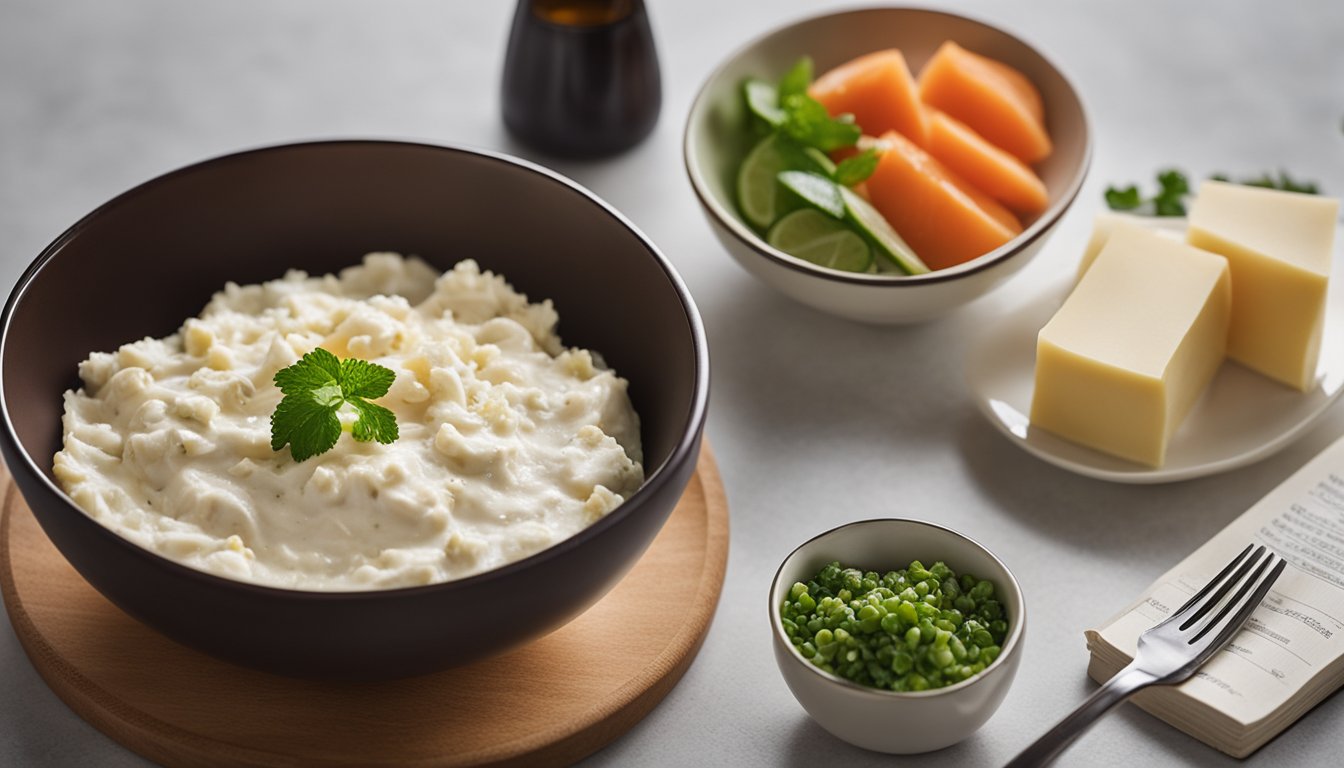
(508, 442)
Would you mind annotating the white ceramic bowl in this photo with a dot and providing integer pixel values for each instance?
(717, 139)
(887, 721)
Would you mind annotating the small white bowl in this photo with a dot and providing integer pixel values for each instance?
(717, 139)
(887, 721)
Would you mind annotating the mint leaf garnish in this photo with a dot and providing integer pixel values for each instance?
(855, 169)
(796, 79)
(315, 389)
(807, 122)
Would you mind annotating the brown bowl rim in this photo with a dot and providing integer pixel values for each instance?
(750, 239)
(687, 443)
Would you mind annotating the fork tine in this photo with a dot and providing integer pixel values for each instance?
(1216, 588)
(1240, 607)
(1246, 582)
(1214, 581)
(1213, 600)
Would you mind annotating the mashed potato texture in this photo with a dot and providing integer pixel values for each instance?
(509, 442)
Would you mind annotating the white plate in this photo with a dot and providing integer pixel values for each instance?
(1243, 417)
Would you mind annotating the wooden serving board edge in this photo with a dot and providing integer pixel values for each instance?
(601, 725)
(125, 725)
(167, 744)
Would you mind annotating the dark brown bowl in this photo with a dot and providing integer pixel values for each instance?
(142, 263)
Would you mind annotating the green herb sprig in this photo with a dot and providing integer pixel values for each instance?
(1284, 182)
(316, 389)
(856, 168)
(787, 109)
(1174, 188)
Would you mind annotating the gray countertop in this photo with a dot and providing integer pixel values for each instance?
(815, 421)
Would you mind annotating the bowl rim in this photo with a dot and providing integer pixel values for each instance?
(1009, 647)
(748, 237)
(687, 444)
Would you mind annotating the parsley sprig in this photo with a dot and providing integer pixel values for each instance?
(1174, 187)
(316, 389)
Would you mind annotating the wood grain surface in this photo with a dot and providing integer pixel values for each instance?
(549, 703)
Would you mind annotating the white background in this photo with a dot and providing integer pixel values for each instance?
(815, 421)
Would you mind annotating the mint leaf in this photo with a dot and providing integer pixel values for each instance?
(836, 135)
(320, 368)
(796, 80)
(360, 378)
(853, 170)
(316, 388)
(309, 427)
(803, 116)
(807, 122)
(375, 422)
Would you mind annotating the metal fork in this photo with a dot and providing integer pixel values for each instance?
(1170, 652)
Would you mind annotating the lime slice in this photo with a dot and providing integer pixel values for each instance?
(815, 190)
(763, 101)
(885, 239)
(758, 181)
(758, 192)
(824, 241)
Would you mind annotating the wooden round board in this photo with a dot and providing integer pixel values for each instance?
(549, 703)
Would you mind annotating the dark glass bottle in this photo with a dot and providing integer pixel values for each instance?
(581, 76)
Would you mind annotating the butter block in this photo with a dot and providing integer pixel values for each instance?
(1123, 360)
(1102, 226)
(1278, 246)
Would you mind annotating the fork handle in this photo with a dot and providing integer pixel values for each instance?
(1125, 683)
